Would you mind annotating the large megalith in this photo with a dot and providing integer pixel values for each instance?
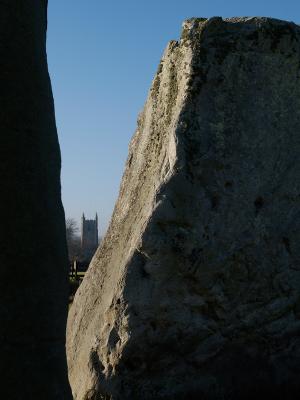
(33, 258)
(194, 293)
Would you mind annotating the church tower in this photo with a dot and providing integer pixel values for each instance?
(89, 235)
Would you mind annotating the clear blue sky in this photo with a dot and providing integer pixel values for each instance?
(102, 58)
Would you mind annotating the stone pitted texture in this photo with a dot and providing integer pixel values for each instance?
(33, 259)
(194, 293)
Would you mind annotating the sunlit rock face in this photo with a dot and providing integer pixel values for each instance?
(33, 259)
(194, 292)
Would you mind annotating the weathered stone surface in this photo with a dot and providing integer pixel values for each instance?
(33, 259)
(194, 292)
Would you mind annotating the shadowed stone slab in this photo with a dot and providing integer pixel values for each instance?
(33, 260)
(194, 292)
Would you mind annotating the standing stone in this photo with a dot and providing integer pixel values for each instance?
(33, 258)
(194, 293)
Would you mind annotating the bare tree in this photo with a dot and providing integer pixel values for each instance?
(73, 240)
(71, 228)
